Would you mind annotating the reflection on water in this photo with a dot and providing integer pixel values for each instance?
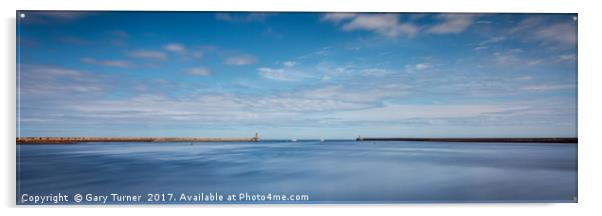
(331, 171)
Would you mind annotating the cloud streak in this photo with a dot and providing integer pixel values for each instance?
(549, 87)
(452, 23)
(108, 63)
(240, 60)
(389, 25)
(538, 28)
(281, 74)
(242, 17)
(175, 48)
(564, 33)
(148, 54)
(198, 71)
(384, 24)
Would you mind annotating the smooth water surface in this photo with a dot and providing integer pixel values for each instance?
(331, 171)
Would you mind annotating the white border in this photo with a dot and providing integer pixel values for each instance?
(589, 104)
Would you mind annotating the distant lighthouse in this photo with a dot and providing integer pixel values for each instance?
(256, 138)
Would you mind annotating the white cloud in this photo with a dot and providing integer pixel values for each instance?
(568, 57)
(452, 23)
(280, 74)
(417, 67)
(289, 63)
(284, 74)
(240, 60)
(513, 58)
(175, 47)
(524, 78)
(397, 112)
(384, 24)
(526, 24)
(389, 25)
(506, 58)
(330, 91)
(182, 51)
(338, 17)
(50, 82)
(330, 72)
(537, 28)
(356, 94)
(483, 45)
(563, 33)
(241, 17)
(481, 48)
(47, 72)
(108, 63)
(492, 40)
(376, 72)
(294, 104)
(198, 71)
(210, 109)
(549, 87)
(148, 54)
(534, 62)
(422, 66)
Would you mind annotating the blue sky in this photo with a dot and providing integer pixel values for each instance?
(296, 75)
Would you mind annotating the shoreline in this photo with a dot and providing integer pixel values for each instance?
(74, 140)
(494, 140)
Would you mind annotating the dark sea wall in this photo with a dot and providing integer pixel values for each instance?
(510, 140)
(68, 140)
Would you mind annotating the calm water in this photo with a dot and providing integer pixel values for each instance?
(331, 171)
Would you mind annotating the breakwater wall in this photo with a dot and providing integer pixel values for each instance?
(68, 140)
(509, 140)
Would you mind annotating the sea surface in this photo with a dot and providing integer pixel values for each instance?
(306, 171)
